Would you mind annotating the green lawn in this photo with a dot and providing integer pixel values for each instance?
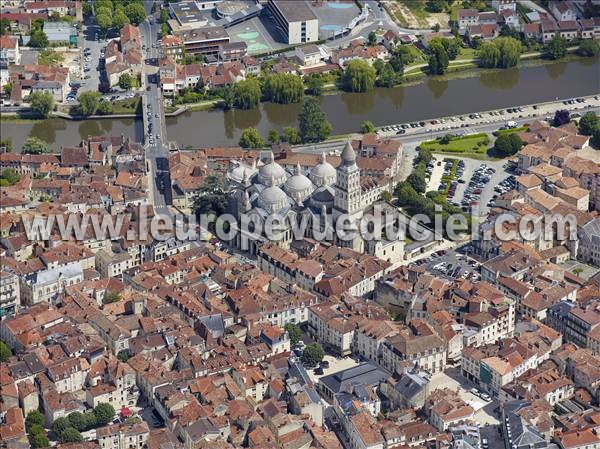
(510, 131)
(466, 53)
(470, 144)
(129, 106)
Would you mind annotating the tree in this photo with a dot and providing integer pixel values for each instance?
(557, 48)
(105, 108)
(283, 88)
(228, 97)
(39, 440)
(314, 84)
(378, 65)
(588, 123)
(291, 136)
(595, 140)
(104, 413)
(438, 59)
(589, 47)
(164, 16)
(313, 123)
(397, 62)
(38, 39)
(386, 196)
(112, 297)
(211, 198)
(294, 332)
(70, 435)
(367, 127)
(104, 21)
(273, 136)
(41, 103)
(251, 139)
(246, 94)
(88, 103)
(561, 117)
(120, 19)
(417, 182)
(313, 354)
(124, 355)
(510, 51)
(78, 421)
(164, 30)
(424, 156)
(4, 26)
(359, 76)
(5, 352)
(127, 82)
(60, 425)
(136, 13)
(372, 38)
(436, 5)
(34, 145)
(489, 55)
(507, 144)
(6, 145)
(387, 78)
(12, 177)
(34, 417)
(452, 48)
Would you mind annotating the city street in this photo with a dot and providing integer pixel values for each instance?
(156, 143)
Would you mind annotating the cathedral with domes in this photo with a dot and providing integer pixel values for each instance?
(314, 197)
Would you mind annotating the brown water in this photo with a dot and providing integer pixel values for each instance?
(346, 111)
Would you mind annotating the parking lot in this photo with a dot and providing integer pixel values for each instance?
(475, 183)
(335, 364)
(521, 113)
(485, 413)
(91, 78)
(451, 264)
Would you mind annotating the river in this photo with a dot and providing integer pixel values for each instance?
(346, 111)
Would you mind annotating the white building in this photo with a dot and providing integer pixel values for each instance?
(10, 297)
(9, 50)
(295, 21)
(47, 285)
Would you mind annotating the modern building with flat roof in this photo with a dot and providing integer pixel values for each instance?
(205, 40)
(295, 21)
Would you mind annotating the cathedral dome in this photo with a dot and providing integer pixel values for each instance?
(272, 173)
(322, 173)
(298, 186)
(272, 199)
(241, 173)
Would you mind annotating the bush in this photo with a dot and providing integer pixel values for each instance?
(367, 127)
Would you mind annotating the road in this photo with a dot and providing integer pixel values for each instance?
(378, 18)
(156, 144)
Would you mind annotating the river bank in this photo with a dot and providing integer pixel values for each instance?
(464, 92)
